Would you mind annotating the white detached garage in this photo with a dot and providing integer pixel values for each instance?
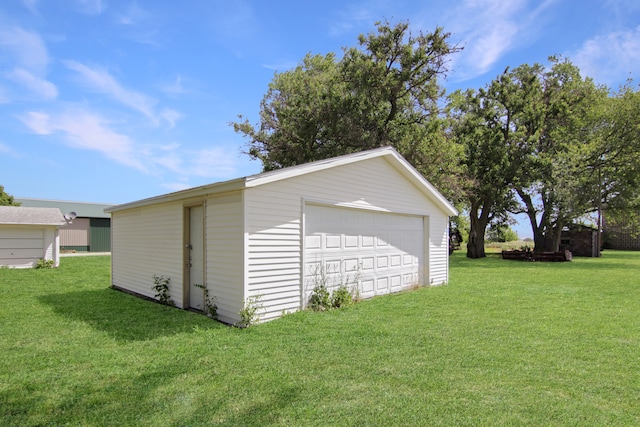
(368, 218)
(28, 235)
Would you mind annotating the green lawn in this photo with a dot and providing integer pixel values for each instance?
(505, 343)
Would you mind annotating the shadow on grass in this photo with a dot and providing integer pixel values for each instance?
(125, 317)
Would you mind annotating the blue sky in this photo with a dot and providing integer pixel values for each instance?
(112, 101)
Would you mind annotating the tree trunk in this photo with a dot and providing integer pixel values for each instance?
(546, 235)
(475, 245)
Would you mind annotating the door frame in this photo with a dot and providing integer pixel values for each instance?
(186, 238)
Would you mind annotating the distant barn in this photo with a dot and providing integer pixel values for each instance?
(90, 230)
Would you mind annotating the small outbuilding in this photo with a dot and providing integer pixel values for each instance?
(28, 235)
(581, 240)
(368, 220)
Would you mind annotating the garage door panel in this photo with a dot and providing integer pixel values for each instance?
(409, 279)
(367, 241)
(351, 241)
(332, 242)
(378, 252)
(314, 242)
(396, 282)
(395, 260)
(22, 253)
(351, 265)
(21, 243)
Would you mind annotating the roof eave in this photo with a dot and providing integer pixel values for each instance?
(202, 191)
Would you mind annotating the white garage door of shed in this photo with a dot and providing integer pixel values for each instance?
(21, 247)
(382, 252)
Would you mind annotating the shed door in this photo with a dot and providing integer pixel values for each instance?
(378, 252)
(196, 257)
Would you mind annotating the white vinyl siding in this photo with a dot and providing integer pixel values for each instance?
(438, 249)
(274, 222)
(148, 241)
(224, 254)
(273, 249)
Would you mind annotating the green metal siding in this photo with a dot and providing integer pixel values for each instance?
(100, 235)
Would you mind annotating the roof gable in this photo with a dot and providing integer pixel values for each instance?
(389, 153)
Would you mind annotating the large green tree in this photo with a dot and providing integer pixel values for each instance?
(483, 127)
(528, 138)
(551, 176)
(383, 92)
(614, 158)
(7, 199)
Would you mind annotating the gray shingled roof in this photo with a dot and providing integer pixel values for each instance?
(31, 216)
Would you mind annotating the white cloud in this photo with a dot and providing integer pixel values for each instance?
(26, 47)
(91, 7)
(488, 29)
(87, 131)
(216, 162)
(99, 80)
(133, 16)
(32, 5)
(42, 88)
(174, 88)
(282, 66)
(37, 122)
(233, 20)
(6, 150)
(209, 163)
(171, 116)
(4, 98)
(353, 17)
(176, 186)
(611, 58)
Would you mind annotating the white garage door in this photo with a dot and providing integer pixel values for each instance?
(378, 252)
(20, 247)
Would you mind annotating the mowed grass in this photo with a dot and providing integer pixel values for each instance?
(504, 343)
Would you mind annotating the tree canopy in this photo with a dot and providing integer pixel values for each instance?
(614, 160)
(550, 143)
(383, 92)
(7, 199)
(540, 140)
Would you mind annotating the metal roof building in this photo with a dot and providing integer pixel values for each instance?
(89, 231)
